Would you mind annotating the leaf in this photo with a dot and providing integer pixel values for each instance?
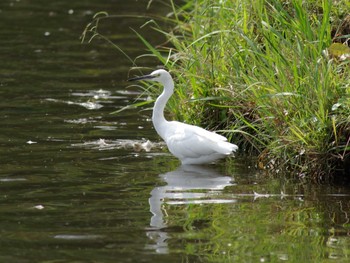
(132, 106)
(151, 48)
(212, 98)
(336, 106)
(299, 134)
(100, 14)
(339, 51)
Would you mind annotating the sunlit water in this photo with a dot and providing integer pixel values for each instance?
(78, 184)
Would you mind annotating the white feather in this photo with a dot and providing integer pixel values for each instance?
(191, 144)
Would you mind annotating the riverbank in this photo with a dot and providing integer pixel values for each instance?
(266, 75)
(272, 76)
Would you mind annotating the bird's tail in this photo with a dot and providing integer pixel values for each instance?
(226, 147)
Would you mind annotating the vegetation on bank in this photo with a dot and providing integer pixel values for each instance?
(272, 75)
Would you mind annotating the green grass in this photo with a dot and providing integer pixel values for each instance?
(259, 72)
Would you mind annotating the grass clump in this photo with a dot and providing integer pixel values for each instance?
(261, 72)
(273, 75)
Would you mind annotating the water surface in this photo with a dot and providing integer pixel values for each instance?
(78, 184)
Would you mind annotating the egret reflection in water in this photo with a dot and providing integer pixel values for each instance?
(188, 184)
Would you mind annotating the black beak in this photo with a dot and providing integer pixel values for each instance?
(142, 77)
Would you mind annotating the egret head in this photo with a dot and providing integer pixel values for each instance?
(159, 75)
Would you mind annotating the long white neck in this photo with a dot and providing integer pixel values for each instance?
(159, 122)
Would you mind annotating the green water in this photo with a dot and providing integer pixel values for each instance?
(75, 188)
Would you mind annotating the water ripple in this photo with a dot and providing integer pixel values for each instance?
(87, 105)
(136, 145)
(77, 237)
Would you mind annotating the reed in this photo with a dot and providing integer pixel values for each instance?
(264, 72)
(259, 71)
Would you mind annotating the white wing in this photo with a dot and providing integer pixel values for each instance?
(187, 141)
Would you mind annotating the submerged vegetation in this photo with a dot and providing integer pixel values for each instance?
(272, 75)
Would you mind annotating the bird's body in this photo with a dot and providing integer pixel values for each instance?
(194, 145)
(191, 144)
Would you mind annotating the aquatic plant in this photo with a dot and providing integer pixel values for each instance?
(262, 73)
(267, 75)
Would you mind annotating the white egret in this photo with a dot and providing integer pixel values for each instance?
(189, 143)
